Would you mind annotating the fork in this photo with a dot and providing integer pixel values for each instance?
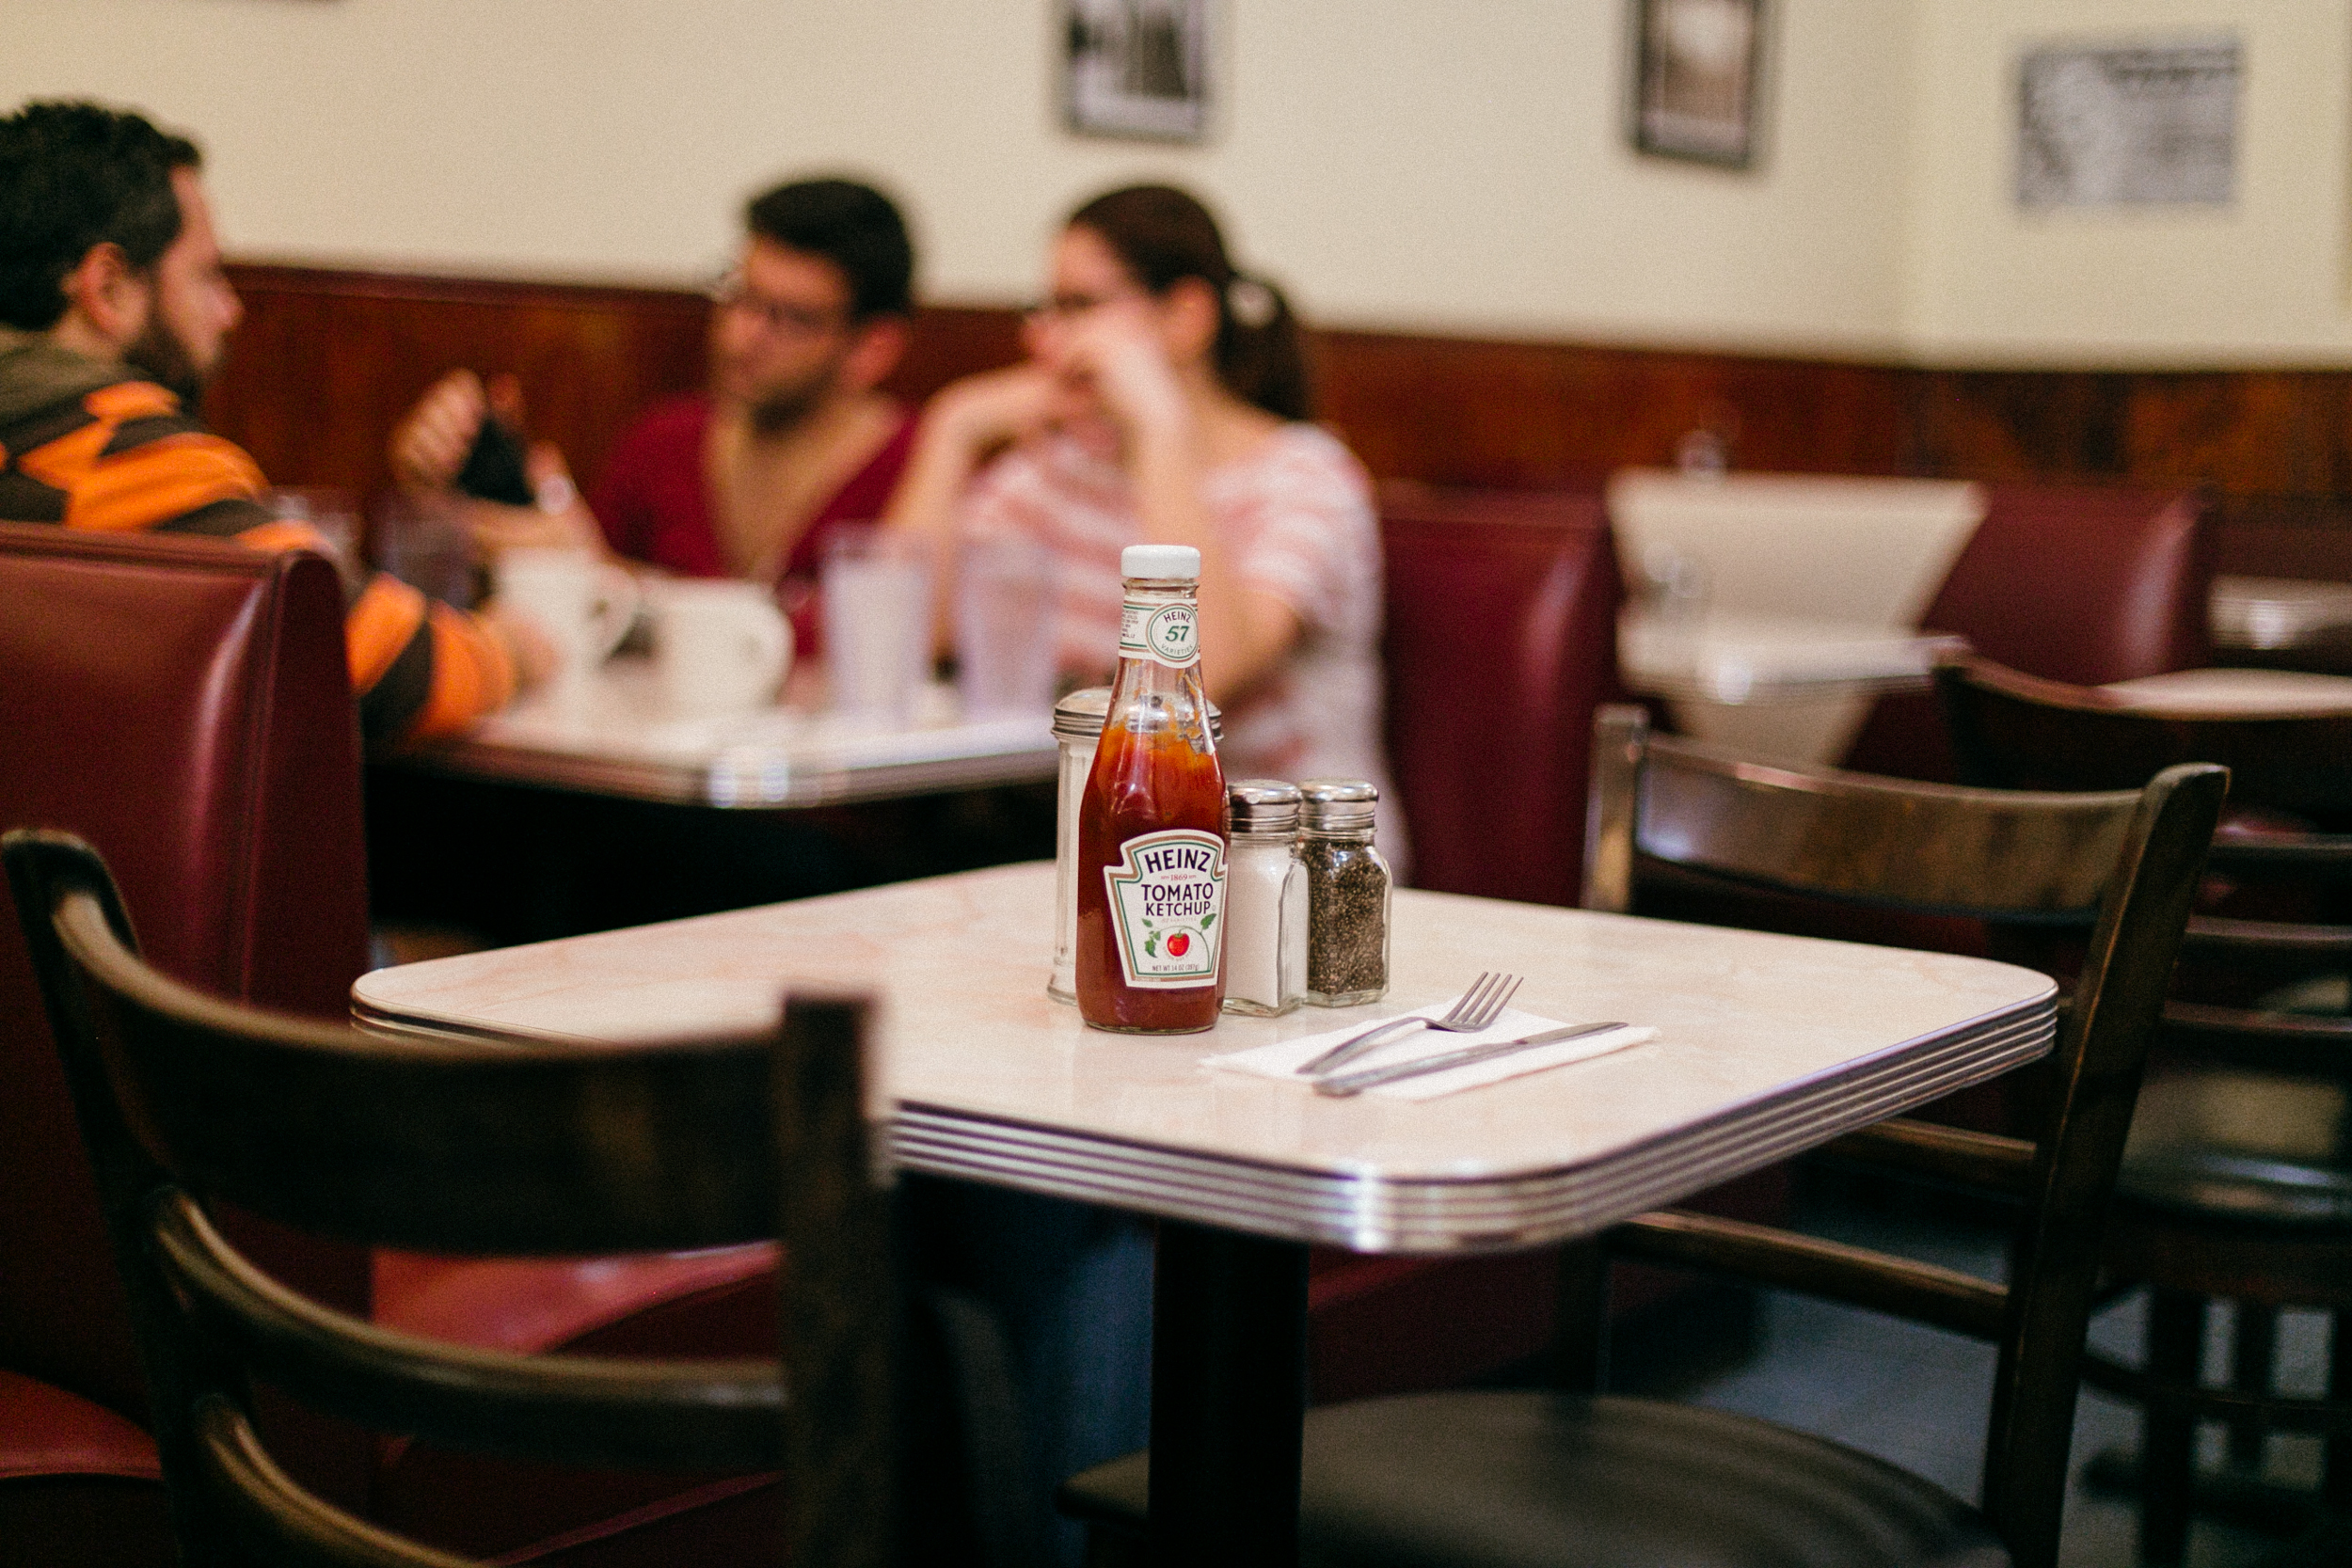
(1478, 1008)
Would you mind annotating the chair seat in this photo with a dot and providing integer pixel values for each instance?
(2241, 1188)
(45, 1431)
(1503, 1479)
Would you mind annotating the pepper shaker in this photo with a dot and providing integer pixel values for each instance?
(1265, 900)
(1347, 894)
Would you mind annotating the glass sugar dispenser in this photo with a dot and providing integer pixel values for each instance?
(1347, 894)
(1265, 900)
(1077, 731)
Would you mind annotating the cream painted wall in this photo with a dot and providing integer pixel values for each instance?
(2263, 281)
(1399, 163)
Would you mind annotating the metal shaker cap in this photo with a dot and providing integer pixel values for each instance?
(1079, 716)
(1338, 805)
(1263, 806)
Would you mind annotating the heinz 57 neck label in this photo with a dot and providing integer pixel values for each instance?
(1164, 633)
(1167, 907)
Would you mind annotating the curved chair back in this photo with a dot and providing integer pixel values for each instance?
(466, 1147)
(2125, 862)
(182, 706)
(2017, 731)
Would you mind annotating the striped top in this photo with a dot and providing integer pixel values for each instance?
(111, 453)
(1296, 513)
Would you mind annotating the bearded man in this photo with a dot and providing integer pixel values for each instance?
(792, 439)
(114, 312)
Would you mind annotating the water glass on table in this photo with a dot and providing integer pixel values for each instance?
(1007, 627)
(877, 590)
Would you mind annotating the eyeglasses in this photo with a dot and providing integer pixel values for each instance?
(782, 317)
(1058, 308)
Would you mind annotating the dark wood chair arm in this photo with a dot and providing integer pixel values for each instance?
(1856, 1276)
(1940, 1153)
(2309, 1044)
(2269, 936)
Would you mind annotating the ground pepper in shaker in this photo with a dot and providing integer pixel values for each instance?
(1347, 894)
(1265, 899)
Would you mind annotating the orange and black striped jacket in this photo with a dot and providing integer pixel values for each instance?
(89, 446)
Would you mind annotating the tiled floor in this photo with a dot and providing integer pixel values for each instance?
(1918, 1397)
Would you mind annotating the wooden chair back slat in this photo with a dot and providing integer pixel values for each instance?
(581, 1410)
(2126, 861)
(1932, 847)
(2016, 731)
(463, 1146)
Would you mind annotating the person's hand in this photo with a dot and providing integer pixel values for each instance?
(997, 407)
(430, 444)
(534, 653)
(1114, 350)
(561, 521)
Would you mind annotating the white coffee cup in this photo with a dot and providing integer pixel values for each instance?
(582, 605)
(718, 647)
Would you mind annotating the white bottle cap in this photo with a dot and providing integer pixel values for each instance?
(1160, 561)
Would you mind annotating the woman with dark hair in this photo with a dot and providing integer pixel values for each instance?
(1165, 400)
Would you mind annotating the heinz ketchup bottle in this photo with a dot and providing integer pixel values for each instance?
(1152, 824)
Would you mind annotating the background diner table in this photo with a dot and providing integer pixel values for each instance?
(615, 738)
(581, 812)
(1767, 1045)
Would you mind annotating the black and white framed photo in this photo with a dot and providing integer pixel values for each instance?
(1138, 68)
(2128, 123)
(1696, 65)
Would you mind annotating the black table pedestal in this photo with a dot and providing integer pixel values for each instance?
(1228, 1398)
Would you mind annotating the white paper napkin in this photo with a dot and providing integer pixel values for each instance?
(1284, 1058)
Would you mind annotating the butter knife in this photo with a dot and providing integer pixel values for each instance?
(1355, 1082)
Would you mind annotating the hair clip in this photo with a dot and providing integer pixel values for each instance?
(1250, 302)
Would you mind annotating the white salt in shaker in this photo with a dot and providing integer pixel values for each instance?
(1078, 730)
(1265, 900)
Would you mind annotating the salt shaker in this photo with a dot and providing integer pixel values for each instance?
(1347, 894)
(1265, 900)
(1077, 730)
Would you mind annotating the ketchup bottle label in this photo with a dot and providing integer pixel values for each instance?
(1168, 904)
(1165, 634)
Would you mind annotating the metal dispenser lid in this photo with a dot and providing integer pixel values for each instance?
(1079, 716)
(1338, 805)
(1263, 806)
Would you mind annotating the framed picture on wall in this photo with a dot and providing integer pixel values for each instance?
(2128, 123)
(1695, 70)
(1136, 68)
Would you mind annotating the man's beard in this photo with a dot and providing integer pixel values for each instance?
(166, 362)
(779, 407)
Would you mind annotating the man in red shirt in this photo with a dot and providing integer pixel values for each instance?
(791, 439)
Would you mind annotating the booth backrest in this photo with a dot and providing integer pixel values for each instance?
(1501, 642)
(185, 706)
(2072, 584)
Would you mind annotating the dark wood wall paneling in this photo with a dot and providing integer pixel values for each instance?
(326, 361)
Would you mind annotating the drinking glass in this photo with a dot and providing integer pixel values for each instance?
(1007, 627)
(877, 592)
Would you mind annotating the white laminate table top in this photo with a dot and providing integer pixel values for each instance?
(612, 736)
(1768, 1044)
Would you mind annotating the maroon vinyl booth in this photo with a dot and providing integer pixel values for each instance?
(2070, 583)
(183, 705)
(1502, 640)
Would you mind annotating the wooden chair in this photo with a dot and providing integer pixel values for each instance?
(2263, 1218)
(470, 1147)
(1570, 1477)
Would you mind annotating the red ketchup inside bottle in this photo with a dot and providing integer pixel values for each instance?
(1152, 824)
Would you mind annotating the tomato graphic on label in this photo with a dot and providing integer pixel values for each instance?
(1177, 943)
